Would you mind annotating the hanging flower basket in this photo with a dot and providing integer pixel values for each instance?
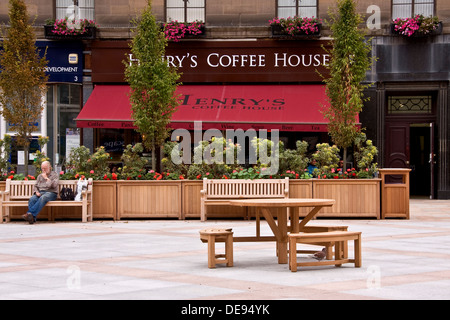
(418, 26)
(64, 29)
(175, 31)
(295, 28)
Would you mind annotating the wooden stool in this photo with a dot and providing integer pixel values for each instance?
(329, 245)
(211, 236)
(336, 237)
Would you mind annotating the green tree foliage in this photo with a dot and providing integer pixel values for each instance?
(153, 82)
(348, 65)
(22, 78)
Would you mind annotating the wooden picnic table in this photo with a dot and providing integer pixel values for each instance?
(270, 208)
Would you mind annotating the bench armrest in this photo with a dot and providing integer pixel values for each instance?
(3, 194)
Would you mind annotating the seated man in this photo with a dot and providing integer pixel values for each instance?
(45, 190)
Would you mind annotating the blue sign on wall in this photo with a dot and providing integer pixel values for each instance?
(65, 60)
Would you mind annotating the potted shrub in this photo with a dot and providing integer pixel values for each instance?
(418, 26)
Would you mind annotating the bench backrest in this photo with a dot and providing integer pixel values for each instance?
(23, 189)
(239, 188)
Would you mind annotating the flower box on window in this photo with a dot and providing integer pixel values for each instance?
(175, 31)
(418, 26)
(295, 28)
(64, 29)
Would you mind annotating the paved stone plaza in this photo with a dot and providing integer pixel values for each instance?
(165, 259)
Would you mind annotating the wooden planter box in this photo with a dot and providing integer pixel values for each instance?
(358, 198)
(104, 194)
(149, 199)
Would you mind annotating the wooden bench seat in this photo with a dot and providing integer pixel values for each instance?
(219, 191)
(336, 237)
(328, 245)
(18, 192)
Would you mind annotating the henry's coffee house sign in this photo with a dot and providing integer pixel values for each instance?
(223, 61)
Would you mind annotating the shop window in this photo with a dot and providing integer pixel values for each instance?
(63, 106)
(300, 8)
(75, 9)
(410, 104)
(409, 8)
(185, 10)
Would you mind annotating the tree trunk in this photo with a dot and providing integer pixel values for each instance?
(344, 164)
(153, 155)
(26, 151)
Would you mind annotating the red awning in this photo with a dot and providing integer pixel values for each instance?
(282, 107)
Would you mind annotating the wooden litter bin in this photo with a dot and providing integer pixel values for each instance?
(394, 193)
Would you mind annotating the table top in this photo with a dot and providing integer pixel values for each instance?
(288, 202)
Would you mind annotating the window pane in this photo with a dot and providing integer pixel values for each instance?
(394, 2)
(401, 11)
(286, 12)
(307, 3)
(175, 14)
(425, 9)
(307, 12)
(282, 3)
(196, 3)
(175, 3)
(86, 3)
(195, 14)
(64, 3)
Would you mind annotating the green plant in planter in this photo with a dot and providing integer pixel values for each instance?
(214, 159)
(133, 163)
(78, 160)
(98, 162)
(247, 173)
(294, 160)
(327, 157)
(365, 153)
(169, 165)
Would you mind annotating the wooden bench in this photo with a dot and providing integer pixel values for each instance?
(17, 193)
(219, 191)
(328, 245)
(336, 237)
(211, 236)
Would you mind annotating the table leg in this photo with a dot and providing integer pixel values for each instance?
(279, 231)
(295, 218)
(283, 242)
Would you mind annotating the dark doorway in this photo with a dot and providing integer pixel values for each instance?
(411, 145)
(420, 150)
